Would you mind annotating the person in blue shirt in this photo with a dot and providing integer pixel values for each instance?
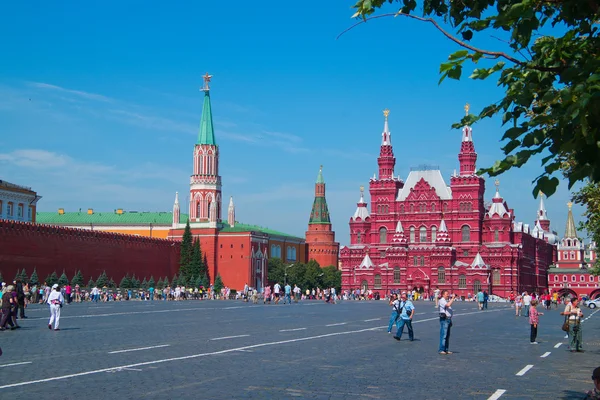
(288, 294)
(407, 311)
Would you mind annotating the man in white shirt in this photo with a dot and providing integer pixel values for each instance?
(277, 292)
(445, 310)
(526, 304)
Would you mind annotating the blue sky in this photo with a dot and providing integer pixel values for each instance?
(99, 106)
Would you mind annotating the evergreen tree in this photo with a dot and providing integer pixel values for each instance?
(17, 276)
(218, 284)
(24, 276)
(151, 282)
(144, 284)
(63, 280)
(91, 283)
(186, 251)
(182, 281)
(34, 280)
(198, 282)
(196, 261)
(166, 282)
(2, 279)
(204, 267)
(102, 280)
(125, 282)
(135, 283)
(77, 279)
(52, 279)
(175, 280)
(111, 283)
(160, 284)
(205, 281)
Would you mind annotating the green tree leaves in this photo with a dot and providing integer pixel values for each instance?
(550, 78)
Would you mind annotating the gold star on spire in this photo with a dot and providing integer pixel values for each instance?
(497, 183)
(540, 193)
(362, 189)
(206, 79)
(386, 112)
(467, 107)
(570, 205)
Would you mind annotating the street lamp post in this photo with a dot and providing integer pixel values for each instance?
(285, 273)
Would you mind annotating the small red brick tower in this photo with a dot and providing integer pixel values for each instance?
(320, 239)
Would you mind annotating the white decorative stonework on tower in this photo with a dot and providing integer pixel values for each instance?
(205, 183)
(231, 213)
(176, 210)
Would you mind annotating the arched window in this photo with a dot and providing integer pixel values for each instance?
(412, 234)
(572, 255)
(364, 285)
(462, 281)
(198, 209)
(555, 278)
(573, 278)
(412, 208)
(377, 281)
(288, 253)
(433, 233)
(293, 254)
(378, 209)
(461, 207)
(466, 233)
(441, 275)
(358, 238)
(415, 261)
(208, 209)
(396, 274)
(496, 277)
(496, 235)
(591, 278)
(476, 286)
(422, 261)
(582, 278)
(564, 278)
(402, 208)
(382, 235)
(273, 251)
(422, 234)
(445, 207)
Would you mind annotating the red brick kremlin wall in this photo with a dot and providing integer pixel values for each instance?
(51, 248)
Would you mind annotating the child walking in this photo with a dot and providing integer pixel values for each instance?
(533, 321)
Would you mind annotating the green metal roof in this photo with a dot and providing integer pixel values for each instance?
(247, 228)
(320, 212)
(206, 135)
(568, 270)
(139, 218)
(320, 176)
(107, 218)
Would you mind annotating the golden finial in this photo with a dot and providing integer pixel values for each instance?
(570, 205)
(321, 168)
(540, 193)
(386, 112)
(362, 189)
(206, 79)
(497, 183)
(467, 107)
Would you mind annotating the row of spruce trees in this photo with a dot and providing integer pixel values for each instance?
(193, 265)
(128, 282)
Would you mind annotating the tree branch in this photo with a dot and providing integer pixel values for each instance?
(492, 54)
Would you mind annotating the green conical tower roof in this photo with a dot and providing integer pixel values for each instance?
(206, 134)
(320, 176)
(320, 212)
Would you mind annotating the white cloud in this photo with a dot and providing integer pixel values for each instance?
(79, 93)
(34, 158)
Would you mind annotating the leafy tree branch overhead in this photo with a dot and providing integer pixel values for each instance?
(551, 75)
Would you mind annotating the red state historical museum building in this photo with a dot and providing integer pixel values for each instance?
(421, 233)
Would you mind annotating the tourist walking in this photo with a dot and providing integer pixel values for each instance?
(395, 304)
(20, 298)
(288, 294)
(277, 292)
(526, 304)
(533, 321)
(445, 310)
(574, 317)
(407, 311)
(8, 303)
(56, 300)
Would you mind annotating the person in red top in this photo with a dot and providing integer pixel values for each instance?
(533, 321)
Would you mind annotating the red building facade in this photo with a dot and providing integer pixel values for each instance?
(570, 274)
(320, 239)
(422, 233)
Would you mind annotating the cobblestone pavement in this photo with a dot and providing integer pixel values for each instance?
(313, 350)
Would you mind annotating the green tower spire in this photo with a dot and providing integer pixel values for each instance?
(570, 230)
(320, 212)
(206, 134)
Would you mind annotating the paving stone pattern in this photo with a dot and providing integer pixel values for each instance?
(158, 350)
